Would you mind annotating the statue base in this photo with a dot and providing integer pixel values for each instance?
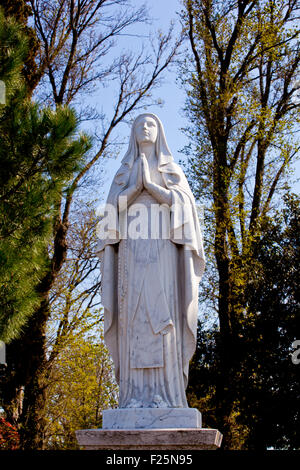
(151, 418)
(149, 439)
(150, 429)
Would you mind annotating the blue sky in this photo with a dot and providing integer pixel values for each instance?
(173, 97)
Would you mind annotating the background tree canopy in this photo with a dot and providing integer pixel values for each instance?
(265, 411)
(76, 53)
(242, 82)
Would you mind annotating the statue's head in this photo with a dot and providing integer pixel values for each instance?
(145, 129)
(148, 128)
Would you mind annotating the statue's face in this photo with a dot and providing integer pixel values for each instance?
(146, 130)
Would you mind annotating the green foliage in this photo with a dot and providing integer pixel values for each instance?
(265, 411)
(273, 299)
(39, 154)
(241, 83)
(20, 10)
(13, 49)
(81, 386)
(78, 373)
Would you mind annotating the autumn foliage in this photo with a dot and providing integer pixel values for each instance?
(9, 437)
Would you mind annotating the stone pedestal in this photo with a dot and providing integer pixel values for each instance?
(150, 429)
(149, 439)
(151, 418)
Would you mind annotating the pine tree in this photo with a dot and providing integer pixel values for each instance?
(20, 10)
(40, 151)
(38, 155)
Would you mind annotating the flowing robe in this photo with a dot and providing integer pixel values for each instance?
(150, 322)
(150, 293)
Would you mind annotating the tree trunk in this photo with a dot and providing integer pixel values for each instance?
(227, 346)
(23, 388)
(24, 385)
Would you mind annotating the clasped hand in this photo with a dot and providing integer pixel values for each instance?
(144, 179)
(161, 194)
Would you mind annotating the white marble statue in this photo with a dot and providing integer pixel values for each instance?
(151, 268)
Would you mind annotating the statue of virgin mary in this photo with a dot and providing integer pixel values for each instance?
(150, 276)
